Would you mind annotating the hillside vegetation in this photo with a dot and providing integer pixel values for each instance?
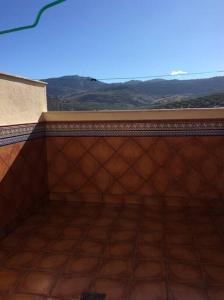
(85, 93)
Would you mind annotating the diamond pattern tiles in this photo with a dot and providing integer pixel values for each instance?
(23, 183)
(117, 169)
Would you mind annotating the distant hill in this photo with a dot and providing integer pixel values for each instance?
(68, 86)
(213, 100)
(85, 93)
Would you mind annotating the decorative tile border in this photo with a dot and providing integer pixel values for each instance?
(18, 133)
(136, 128)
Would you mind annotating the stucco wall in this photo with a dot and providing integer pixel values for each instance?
(21, 100)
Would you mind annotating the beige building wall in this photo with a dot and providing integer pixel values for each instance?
(21, 100)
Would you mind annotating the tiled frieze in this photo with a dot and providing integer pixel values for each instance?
(19, 133)
(136, 128)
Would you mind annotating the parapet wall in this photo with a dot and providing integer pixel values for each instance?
(170, 157)
(21, 100)
(23, 184)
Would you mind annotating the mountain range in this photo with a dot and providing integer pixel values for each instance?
(86, 93)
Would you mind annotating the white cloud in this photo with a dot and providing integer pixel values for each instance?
(179, 72)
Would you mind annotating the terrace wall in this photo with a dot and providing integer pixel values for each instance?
(173, 159)
(23, 181)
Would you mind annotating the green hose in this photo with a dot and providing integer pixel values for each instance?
(42, 10)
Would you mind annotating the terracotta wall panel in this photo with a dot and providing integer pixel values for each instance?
(23, 184)
(112, 168)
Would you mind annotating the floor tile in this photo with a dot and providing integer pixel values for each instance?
(62, 245)
(120, 249)
(212, 255)
(114, 289)
(151, 237)
(37, 283)
(11, 242)
(82, 265)
(116, 268)
(92, 248)
(25, 230)
(151, 252)
(147, 225)
(8, 279)
(186, 292)
(177, 227)
(35, 243)
(149, 270)
(24, 297)
(71, 286)
(216, 293)
(4, 254)
(127, 224)
(209, 240)
(98, 234)
(180, 252)
(23, 259)
(214, 274)
(72, 233)
(103, 221)
(80, 221)
(186, 273)
(145, 290)
(48, 232)
(50, 261)
(123, 235)
(179, 239)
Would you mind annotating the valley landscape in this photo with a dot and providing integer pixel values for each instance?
(70, 93)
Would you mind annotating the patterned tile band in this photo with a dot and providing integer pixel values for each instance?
(136, 128)
(17, 133)
(137, 125)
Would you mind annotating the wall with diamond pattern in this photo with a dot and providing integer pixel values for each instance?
(112, 169)
(130, 169)
(23, 184)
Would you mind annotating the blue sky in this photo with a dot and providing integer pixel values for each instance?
(112, 38)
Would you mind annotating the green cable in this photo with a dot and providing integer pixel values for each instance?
(36, 20)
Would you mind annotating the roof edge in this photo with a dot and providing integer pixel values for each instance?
(128, 115)
(11, 77)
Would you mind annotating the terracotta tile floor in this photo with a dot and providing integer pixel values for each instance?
(127, 252)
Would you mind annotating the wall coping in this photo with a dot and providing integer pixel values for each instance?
(25, 80)
(154, 114)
